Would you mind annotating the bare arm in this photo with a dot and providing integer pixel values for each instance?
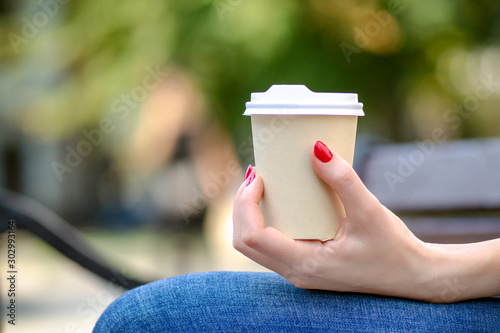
(464, 271)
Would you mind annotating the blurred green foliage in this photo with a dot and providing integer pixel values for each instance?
(409, 61)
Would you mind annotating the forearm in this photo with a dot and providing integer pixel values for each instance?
(463, 271)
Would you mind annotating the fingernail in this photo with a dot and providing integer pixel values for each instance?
(322, 152)
(251, 177)
(249, 170)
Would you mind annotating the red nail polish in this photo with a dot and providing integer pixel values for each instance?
(251, 177)
(322, 152)
(249, 170)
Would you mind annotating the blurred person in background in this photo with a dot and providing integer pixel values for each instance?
(179, 170)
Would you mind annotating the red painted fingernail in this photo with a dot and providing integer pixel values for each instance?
(249, 170)
(251, 177)
(322, 152)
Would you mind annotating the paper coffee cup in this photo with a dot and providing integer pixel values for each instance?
(287, 120)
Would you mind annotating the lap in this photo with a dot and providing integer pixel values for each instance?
(253, 302)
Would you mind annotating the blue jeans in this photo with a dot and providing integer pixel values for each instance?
(266, 302)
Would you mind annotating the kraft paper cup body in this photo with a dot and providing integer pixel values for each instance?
(287, 120)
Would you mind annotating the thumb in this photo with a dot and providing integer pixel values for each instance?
(342, 178)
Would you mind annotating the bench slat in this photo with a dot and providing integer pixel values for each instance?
(427, 176)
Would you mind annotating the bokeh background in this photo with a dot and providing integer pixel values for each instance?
(124, 117)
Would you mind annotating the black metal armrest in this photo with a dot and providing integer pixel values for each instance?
(45, 224)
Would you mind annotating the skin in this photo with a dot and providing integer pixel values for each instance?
(373, 251)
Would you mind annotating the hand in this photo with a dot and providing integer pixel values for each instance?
(373, 251)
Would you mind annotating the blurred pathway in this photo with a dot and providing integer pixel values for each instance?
(54, 295)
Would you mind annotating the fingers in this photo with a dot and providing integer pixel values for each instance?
(252, 228)
(339, 175)
(264, 239)
(236, 219)
(249, 225)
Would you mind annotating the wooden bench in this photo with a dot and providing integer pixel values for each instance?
(445, 192)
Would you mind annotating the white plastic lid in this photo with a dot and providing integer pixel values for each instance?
(287, 99)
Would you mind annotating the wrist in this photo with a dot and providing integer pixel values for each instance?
(443, 276)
